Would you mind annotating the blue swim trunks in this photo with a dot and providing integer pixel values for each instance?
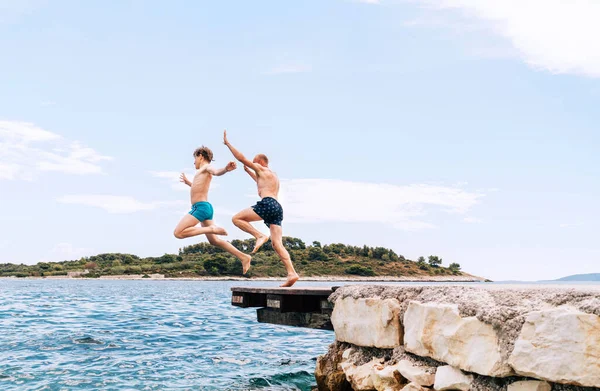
(202, 211)
(269, 210)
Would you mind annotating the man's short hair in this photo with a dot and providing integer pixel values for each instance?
(205, 152)
(263, 158)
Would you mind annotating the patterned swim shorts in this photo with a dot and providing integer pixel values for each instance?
(269, 210)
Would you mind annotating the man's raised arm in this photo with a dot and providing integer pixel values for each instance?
(238, 155)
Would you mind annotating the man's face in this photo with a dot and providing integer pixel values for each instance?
(198, 161)
(257, 160)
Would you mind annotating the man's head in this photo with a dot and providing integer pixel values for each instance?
(261, 159)
(202, 155)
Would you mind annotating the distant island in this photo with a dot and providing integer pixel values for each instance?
(582, 277)
(203, 260)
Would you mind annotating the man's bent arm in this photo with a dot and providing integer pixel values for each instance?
(252, 175)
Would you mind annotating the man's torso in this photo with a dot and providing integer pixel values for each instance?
(268, 184)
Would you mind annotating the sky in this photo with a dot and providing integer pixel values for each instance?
(466, 129)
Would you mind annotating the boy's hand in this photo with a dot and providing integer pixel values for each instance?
(231, 166)
(183, 179)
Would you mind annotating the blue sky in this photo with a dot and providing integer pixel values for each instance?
(462, 128)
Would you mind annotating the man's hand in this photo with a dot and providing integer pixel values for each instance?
(231, 166)
(183, 179)
(225, 141)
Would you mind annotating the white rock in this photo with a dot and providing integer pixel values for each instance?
(450, 378)
(560, 345)
(367, 322)
(438, 331)
(414, 374)
(529, 385)
(360, 376)
(413, 387)
(387, 379)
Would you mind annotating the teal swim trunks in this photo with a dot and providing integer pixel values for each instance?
(202, 211)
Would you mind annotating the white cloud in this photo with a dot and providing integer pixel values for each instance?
(27, 149)
(570, 225)
(47, 103)
(115, 204)
(370, 1)
(472, 220)
(290, 68)
(554, 35)
(404, 207)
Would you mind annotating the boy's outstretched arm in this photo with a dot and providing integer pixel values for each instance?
(183, 179)
(240, 156)
(250, 172)
(221, 171)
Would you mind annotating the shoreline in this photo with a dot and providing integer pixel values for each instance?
(274, 279)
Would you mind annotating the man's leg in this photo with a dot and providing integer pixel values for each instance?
(242, 221)
(187, 228)
(276, 239)
(216, 241)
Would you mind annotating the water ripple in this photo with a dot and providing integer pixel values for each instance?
(145, 335)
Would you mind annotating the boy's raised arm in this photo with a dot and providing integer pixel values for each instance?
(221, 171)
(240, 156)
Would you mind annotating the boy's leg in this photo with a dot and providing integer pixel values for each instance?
(242, 221)
(216, 241)
(187, 228)
(277, 241)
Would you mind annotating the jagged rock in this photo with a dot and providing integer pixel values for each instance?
(450, 378)
(387, 378)
(367, 322)
(359, 376)
(529, 385)
(560, 345)
(423, 376)
(413, 387)
(438, 331)
(328, 373)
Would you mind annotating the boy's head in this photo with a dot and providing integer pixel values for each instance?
(261, 159)
(202, 155)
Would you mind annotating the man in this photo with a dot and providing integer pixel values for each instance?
(267, 209)
(202, 210)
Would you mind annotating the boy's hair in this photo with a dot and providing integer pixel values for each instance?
(205, 152)
(264, 158)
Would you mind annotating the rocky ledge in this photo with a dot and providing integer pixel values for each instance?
(463, 338)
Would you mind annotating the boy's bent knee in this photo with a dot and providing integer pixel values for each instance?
(178, 234)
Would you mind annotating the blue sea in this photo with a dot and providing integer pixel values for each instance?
(146, 335)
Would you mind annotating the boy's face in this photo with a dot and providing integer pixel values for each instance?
(198, 161)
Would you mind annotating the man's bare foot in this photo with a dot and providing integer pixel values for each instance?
(246, 263)
(219, 231)
(291, 280)
(259, 242)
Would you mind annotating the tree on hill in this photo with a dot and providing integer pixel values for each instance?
(435, 261)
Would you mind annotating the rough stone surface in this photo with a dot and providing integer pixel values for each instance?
(328, 373)
(450, 378)
(367, 322)
(504, 307)
(413, 387)
(438, 331)
(359, 377)
(387, 378)
(560, 345)
(421, 375)
(529, 385)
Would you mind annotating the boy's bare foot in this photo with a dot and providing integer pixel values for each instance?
(291, 280)
(259, 242)
(246, 263)
(219, 231)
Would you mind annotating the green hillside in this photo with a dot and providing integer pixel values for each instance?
(205, 260)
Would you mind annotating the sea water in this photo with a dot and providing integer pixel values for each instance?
(146, 335)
